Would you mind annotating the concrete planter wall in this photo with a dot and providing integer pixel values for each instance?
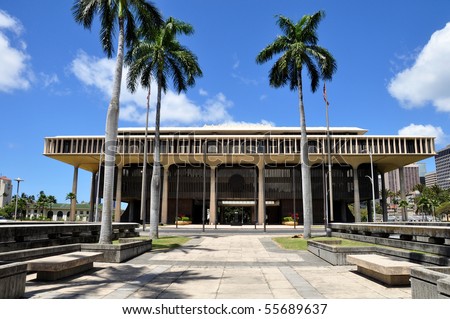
(330, 251)
(12, 280)
(430, 283)
(126, 249)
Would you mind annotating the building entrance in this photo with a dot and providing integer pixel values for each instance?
(235, 215)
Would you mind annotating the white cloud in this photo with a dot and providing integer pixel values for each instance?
(427, 80)
(176, 109)
(49, 79)
(10, 23)
(16, 73)
(424, 130)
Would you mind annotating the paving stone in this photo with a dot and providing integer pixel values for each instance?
(231, 266)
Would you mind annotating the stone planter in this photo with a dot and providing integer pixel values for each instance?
(430, 283)
(333, 253)
(185, 222)
(289, 223)
(117, 253)
(12, 280)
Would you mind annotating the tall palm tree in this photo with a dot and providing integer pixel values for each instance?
(161, 57)
(299, 49)
(125, 14)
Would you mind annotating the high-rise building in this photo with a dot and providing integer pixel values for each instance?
(5, 190)
(411, 175)
(442, 160)
(430, 179)
(422, 171)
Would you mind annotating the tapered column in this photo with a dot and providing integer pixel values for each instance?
(356, 197)
(165, 196)
(401, 172)
(212, 196)
(261, 194)
(73, 201)
(118, 208)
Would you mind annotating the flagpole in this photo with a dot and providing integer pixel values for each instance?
(330, 176)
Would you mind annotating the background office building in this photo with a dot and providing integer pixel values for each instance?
(442, 160)
(430, 179)
(422, 171)
(5, 191)
(244, 175)
(411, 178)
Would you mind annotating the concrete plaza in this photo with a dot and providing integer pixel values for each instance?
(228, 263)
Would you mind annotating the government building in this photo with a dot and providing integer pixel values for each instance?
(245, 175)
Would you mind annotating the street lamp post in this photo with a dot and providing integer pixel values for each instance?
(18, 180)
(372, 181)
(330, 164)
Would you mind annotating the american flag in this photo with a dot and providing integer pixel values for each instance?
(325, 95)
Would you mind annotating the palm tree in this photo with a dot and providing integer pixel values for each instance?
(124, 13)
(299, 49)
(160, 56)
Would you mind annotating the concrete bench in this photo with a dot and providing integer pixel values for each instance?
(12, 280)
(60, 266)
(41, 252)
(391, 271)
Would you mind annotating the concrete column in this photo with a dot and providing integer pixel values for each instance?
(92, 198)
(356, 197)
(165, 196)
(261, 194)
(369, 211)
(401, 172)
(73, 201)
(118, 208)
(212, 196)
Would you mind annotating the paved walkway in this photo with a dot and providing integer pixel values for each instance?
(230, 266)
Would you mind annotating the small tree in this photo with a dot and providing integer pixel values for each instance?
(443, 209)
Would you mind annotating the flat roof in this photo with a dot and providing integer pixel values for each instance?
(248, 129)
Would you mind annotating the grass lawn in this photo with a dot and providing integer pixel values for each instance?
(291, 243)
(346, 242)
(302, 244)
(169, 242)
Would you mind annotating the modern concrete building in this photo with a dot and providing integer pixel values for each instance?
(5, 191)
(245, 174)
(442, 160)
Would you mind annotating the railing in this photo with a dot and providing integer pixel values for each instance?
(431, 237)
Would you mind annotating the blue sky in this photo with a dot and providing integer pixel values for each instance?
(393, 75)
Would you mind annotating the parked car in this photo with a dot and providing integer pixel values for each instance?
(3, 219)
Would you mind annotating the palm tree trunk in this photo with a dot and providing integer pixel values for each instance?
(306, 170)
(155, 194)
(112, 123)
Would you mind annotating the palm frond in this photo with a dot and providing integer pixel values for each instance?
(84, 11)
